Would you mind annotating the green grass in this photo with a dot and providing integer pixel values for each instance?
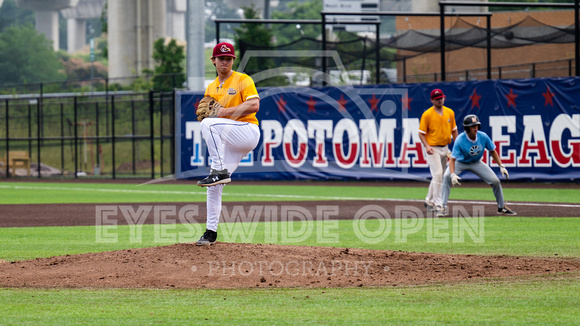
(46, 193)
(514, 236)
(534, 301)
(538, 300)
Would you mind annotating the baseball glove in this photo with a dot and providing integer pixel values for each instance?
(208, 107)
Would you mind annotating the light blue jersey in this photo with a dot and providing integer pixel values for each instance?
(468, 154)
(466, 150)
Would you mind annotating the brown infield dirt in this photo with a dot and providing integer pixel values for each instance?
(235, 265)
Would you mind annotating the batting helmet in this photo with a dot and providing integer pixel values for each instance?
(471, 120)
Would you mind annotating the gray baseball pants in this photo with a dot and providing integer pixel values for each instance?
(483, 171)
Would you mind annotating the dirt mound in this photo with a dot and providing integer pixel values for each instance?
(233, 265)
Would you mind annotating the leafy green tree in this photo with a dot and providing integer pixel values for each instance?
(169, 71)
(104, 46)
(12, 15)
(286, 33)
(218, 9)
(27, 57)
(257, 35)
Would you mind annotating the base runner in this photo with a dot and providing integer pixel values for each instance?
(466, 156)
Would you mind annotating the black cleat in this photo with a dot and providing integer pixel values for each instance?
(429, 207)
(506, 211)
(215, 178)
(208, 238)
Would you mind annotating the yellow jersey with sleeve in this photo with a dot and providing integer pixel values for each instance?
(237, 89)
(436, 127)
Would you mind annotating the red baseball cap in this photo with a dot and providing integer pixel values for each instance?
(224, 49)
(437, 94)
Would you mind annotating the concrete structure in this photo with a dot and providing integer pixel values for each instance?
(47, 16)
(133, 27)
(195, 51)
(76, 21)
(176, 10)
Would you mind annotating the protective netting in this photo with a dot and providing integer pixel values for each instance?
(460, 34)
(464, 34)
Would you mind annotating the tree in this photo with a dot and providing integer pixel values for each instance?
(305, 10)
(11, 15)
(27, 57)
(169, 70)
(218, 9)
(256, 35)
(104, 46)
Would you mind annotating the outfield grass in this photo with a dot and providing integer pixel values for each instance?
(47, 193)
(502, 235)
(541, 300)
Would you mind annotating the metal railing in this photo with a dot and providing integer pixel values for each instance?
(552, 69)
(113, 135)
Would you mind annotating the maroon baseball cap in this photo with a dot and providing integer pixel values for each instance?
(437, 94)
(224, 49)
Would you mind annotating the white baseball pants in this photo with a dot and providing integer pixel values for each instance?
(437, 163)
(228, 141)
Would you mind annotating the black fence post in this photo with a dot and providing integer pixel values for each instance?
(38, 133)
(133, 140)
(41, 115)
(61, 137)
(488, 33)
(577, 36)
(152, 130)
(113, 136)
(323, 49)
(173, 142)
(30, 129)
(217, 32)
(378, 54)
(7, 124)
(97, 137)
(442, 39)
(76, 138)
(107, 106)
(161, 134)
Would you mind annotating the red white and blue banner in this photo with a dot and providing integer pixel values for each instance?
(370, 132)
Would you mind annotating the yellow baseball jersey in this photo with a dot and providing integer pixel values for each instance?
(237, 89)
(437, 128)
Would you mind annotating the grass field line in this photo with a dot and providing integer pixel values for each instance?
(306, 197)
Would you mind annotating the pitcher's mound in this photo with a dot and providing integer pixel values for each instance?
(233, 265)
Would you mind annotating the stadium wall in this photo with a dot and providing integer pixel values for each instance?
(370, 133)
